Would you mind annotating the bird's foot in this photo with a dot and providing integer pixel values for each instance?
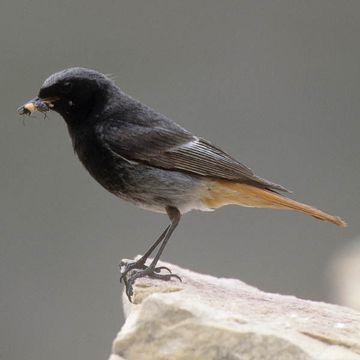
(135, 270)
(127, 266)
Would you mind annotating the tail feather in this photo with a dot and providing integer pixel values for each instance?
(222, 192)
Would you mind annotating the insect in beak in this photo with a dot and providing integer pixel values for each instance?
(37, 104)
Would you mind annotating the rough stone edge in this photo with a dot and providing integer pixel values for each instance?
(162, 290)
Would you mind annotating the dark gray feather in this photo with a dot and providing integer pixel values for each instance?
(167, 145)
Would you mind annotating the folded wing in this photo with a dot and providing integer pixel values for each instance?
(174, 148)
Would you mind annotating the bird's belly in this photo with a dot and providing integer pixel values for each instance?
(154, 189)
(145, 186)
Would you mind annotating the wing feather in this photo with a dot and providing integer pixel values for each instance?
(174, 148)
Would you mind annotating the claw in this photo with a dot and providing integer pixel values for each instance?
(129, 290)
(141, 271)
(177, 277)
(125, 268)
(165, 277)
(158, 269)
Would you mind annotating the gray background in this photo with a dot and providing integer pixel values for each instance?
(275, 83)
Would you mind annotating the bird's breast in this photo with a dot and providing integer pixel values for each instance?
(146, 186)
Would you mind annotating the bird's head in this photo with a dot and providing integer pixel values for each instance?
(74, 93)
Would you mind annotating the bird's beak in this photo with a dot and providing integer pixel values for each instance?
(37, 104)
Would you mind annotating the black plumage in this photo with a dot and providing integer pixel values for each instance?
(146, 158)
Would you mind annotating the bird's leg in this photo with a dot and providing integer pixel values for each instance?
(152, 270)
(125, 267)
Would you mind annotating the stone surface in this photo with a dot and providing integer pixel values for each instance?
(207, 318)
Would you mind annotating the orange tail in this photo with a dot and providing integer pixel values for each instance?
(222, 192)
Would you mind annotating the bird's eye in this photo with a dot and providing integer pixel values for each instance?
(67, 85)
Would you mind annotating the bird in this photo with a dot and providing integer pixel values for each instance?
(146, 158)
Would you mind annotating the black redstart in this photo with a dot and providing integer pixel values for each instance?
(144, 157)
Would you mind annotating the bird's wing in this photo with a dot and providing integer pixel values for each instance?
(176, 149)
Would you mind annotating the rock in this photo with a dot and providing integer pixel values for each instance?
(208, 318)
